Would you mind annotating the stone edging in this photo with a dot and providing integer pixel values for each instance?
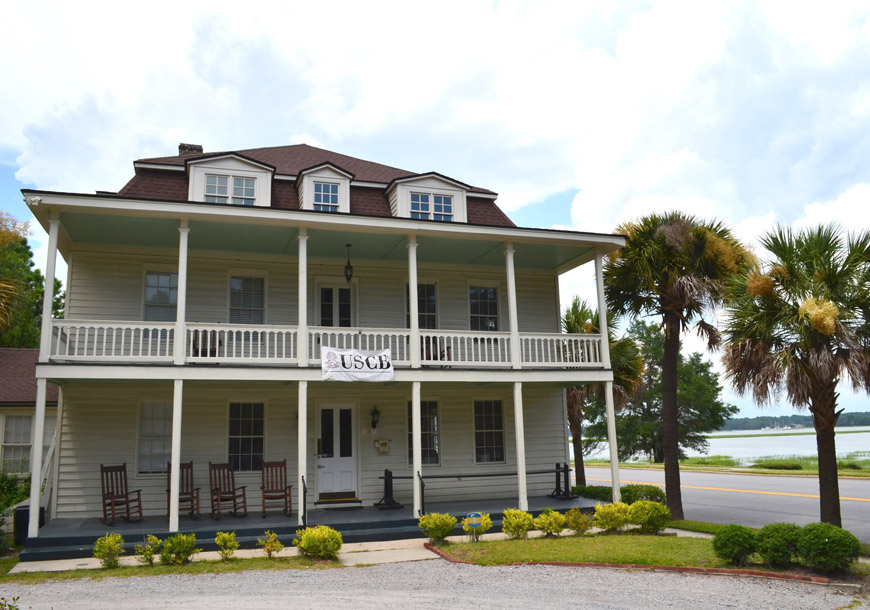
(820, 580)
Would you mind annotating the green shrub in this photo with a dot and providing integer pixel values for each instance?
(735, 543)
(777, 542)
(108, 548)
(146, 551)
(178, 549)
(437, 526)
(227, 544)
(652, 517)
(611, 517)
(595, 492)
(578, 521)
(321, 541)
(516, 523)
(551, 522)
(270, 543)
(13, 489)
(477, 532)
(827, 547)
(634, 493)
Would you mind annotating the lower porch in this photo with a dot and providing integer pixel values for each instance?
(70, 538)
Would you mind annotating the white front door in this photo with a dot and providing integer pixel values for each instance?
(336, 452)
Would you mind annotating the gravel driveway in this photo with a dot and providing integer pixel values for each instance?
(432, 584)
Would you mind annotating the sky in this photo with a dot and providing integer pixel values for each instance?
(581, 115)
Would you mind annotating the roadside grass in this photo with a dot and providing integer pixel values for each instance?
(198, 567)
(703, 527)
(644, 550)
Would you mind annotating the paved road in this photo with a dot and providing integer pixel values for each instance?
(793, 499)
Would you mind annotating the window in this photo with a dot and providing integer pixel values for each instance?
(155, 437)
(429, 433)
(427, 303)
(483, 301)
(336, 306)
(161, 296)
(217, 189)
(246, 436)
(15, 448)
(247, 300)
(325, 197)
(488, 431)
(442, 208)
(429, 205)
(420, 206)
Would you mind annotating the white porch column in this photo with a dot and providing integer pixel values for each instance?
(302, 326)
(181, 305)
(520, 431)
(175, 454)
(413, 304)
(36, 453)
(48, 291)
(302, 447)
(516, 348)
(57, 438)
(416, 446)
(608, 386)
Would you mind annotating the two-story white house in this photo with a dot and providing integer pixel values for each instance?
(199, 298)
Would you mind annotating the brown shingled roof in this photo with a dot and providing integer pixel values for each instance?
(18, 377)
(290, 160)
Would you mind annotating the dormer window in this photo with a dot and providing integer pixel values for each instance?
(428, 197)
(428, 205)
(217, 189)
(325, 197)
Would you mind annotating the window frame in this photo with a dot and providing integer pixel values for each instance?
(243, 401)
(324, 282)
(142, 401)
(474, 431)
(480, 283)
(437, 315)
(231, 186)
(437, 435)
(245, 274)
(158, 270)
(334, 208)
(50, 412)
(325, 173)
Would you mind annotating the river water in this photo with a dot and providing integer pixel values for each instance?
(775, 442)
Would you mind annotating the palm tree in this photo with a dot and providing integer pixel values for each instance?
(674, 266)
(800, 323)
(625, 362)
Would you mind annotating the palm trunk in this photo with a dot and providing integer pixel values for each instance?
(579, 468)
(670, 423)
(823, 408)
(575, 422)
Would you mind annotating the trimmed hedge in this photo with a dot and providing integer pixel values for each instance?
(630, 493)
(827, 547)
(777, 543)
(735, 543)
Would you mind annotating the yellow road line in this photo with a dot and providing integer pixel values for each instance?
(744, 491)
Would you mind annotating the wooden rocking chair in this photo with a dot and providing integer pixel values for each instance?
(275, 485)
(222, 482)
(117, 499)
(188, 495)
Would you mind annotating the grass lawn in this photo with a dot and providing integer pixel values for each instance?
(200, 567)
(646, 550)
(855, 464)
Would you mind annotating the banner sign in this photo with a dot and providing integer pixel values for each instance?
(356, 365)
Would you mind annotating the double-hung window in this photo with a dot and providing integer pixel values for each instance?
(247, 300)
(425, 206)
(225, 189)
(15, 447)
(483, 302)
(161, 296)
(430, 445)
(246, 436)
(155, 437)
(325, 197)
(420, 206)
(488, 431)
(427, 304)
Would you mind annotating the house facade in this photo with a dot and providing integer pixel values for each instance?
(201, 296)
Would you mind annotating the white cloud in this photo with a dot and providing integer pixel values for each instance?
(851, 210)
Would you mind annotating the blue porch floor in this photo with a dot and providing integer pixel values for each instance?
(73, 538)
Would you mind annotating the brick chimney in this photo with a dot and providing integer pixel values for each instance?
(189, 149)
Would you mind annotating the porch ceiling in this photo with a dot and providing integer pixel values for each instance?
(270, 239)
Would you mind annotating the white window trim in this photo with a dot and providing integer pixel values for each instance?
(15, 411)
(220, 167)
(402, 198)
(437, 401)
(500, 294)
(324, 182)
(231, 273)
(324, 174)
(226, 456)
(135, 473)
(504, 433)
(146, 269)
(331, 282)
(424, 280)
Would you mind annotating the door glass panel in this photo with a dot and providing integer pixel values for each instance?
(326, 434)
(344, 307)
(326, 307)
(345, 431)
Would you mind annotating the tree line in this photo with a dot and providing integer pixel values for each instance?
(781, 421)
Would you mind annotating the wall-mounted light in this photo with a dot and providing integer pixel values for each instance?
(348, 268)
(376, 417)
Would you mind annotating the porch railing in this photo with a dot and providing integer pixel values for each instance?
(241, 343)
(369, 339)
(561, 350)
(452, 348)
(115, 341)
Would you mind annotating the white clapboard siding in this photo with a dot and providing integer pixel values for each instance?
(100, 426)
(110, 285)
